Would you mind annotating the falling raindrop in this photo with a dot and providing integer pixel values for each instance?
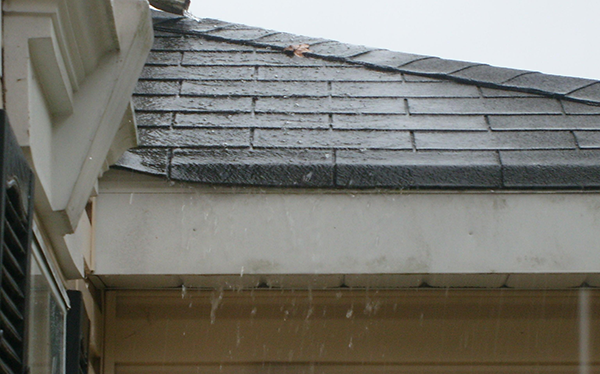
(215, 301)
(349, 312)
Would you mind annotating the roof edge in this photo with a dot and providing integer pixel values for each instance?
(581, 90)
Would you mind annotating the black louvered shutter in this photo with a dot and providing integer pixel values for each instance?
(78, 331)
(16, 209)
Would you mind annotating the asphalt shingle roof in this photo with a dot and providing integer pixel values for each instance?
(222, 103)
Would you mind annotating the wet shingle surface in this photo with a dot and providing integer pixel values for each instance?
(220, 103)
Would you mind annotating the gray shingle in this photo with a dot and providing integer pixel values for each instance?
(485, 106)
(589, 93)
(193, 26)
(253, 88)
(164, 58)
(192, 104)
(239, 33)
(548, 83)
(436, 65)
(486, 73)
(183, 44)
(197, 72)
(279, 121)
(279, 168)
(545, 122)
(588, 139)
(387, 58)
(417, 169)
(154, 119)
(400, 89)
(153, 161)
(551, 169)
(417, 78)
(504, 140)
(337, 49)
(326, 73)
(493, 92)
(194, 138)
(282, 40)
(335, 105)
(332, 139)
(578, 108)
(144, 87)
(252, 58)
(403, 122)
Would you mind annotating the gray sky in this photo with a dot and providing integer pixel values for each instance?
(553, 36)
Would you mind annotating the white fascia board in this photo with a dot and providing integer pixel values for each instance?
(187, 231)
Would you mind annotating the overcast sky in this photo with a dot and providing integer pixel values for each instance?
(553, 36)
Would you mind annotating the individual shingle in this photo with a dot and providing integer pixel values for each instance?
(164, 58)
(197, 72)
(252, 58)
(335, 105)
(551, 169)
(588, 139)
(326, 73)
(435, 65)
(152, 161)
(153, 119)
(589, 93)
(499, 140)
(254, 88)
(545, 122)
(283, 40)
(277, 168)
(493, 92)
(279, 121)
(337, 49)
(400, 89)
(484, 106)
(239, 33)
(194, 138)
(419, 78)
(191, 26)
(403, 122)
(386, 58)
(192, 104)
(144, 87)
(548, 83)
(579, 108)
(417, 169)
(488, 74)
(332, 139)
(183, 44)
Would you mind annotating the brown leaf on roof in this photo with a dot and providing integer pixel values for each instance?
(297, 50)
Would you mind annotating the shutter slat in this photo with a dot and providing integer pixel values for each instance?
(12, 262)
(10, 328)
(12, 353)
(9, 305)
(13, 218)
(13, 241)
(9, 284)
(5, 368)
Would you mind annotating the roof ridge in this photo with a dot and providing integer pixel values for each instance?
(582, 90)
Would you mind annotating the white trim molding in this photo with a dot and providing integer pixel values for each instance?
(70, 69)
